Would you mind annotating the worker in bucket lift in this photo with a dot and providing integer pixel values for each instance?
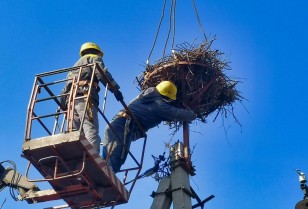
(150, 108)
(89, 53)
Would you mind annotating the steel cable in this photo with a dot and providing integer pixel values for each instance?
(197, 15)
(171, 23)
(158, 29)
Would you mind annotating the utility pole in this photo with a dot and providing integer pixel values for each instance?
(180, 185)
(303, 204)
(176, 187)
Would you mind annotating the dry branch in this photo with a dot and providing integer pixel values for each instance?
(199, 74)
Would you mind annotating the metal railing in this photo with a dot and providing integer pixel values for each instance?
(47, 116)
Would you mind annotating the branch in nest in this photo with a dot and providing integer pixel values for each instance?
(198, 73)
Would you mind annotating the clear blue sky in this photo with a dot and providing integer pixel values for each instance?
(266, 42)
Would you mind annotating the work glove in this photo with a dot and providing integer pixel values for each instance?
(118, 95)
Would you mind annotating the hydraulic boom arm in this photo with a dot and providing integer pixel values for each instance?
(9, 177)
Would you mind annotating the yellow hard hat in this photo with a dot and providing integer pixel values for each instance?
(168, 89)
(90, 45)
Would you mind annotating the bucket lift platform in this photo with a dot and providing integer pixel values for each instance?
(75, 170)
(61, 153)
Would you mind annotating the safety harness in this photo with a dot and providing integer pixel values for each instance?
(83, 89)
(128, 129)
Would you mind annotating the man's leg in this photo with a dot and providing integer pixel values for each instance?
(113, 143)
(90, 127)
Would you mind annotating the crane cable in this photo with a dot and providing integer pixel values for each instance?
(172, 23)
(200, 24)
(158, 29)
(171, 26)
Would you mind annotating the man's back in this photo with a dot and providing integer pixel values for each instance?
(151, 108)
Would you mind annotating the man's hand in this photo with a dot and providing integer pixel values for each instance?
(118, 95)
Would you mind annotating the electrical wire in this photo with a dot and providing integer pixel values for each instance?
(158, 171)
(14, 181)
(3, 203)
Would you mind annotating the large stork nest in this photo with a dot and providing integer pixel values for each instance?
(199, 74)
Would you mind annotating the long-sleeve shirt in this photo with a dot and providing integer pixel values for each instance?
(87, 72)
(150, 108)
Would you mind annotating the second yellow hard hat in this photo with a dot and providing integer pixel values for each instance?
(168, 89)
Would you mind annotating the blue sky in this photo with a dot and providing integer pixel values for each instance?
(266, 42)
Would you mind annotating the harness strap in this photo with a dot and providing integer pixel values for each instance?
(123, 114)
(126, 132)
(89, 109)
(86, 82)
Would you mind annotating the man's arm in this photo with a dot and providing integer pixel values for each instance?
(100, 62)
(118, 95)
(173, 113)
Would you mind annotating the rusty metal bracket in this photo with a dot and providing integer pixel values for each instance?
(55, 177)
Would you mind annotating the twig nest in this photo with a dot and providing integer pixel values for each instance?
(198, 73)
